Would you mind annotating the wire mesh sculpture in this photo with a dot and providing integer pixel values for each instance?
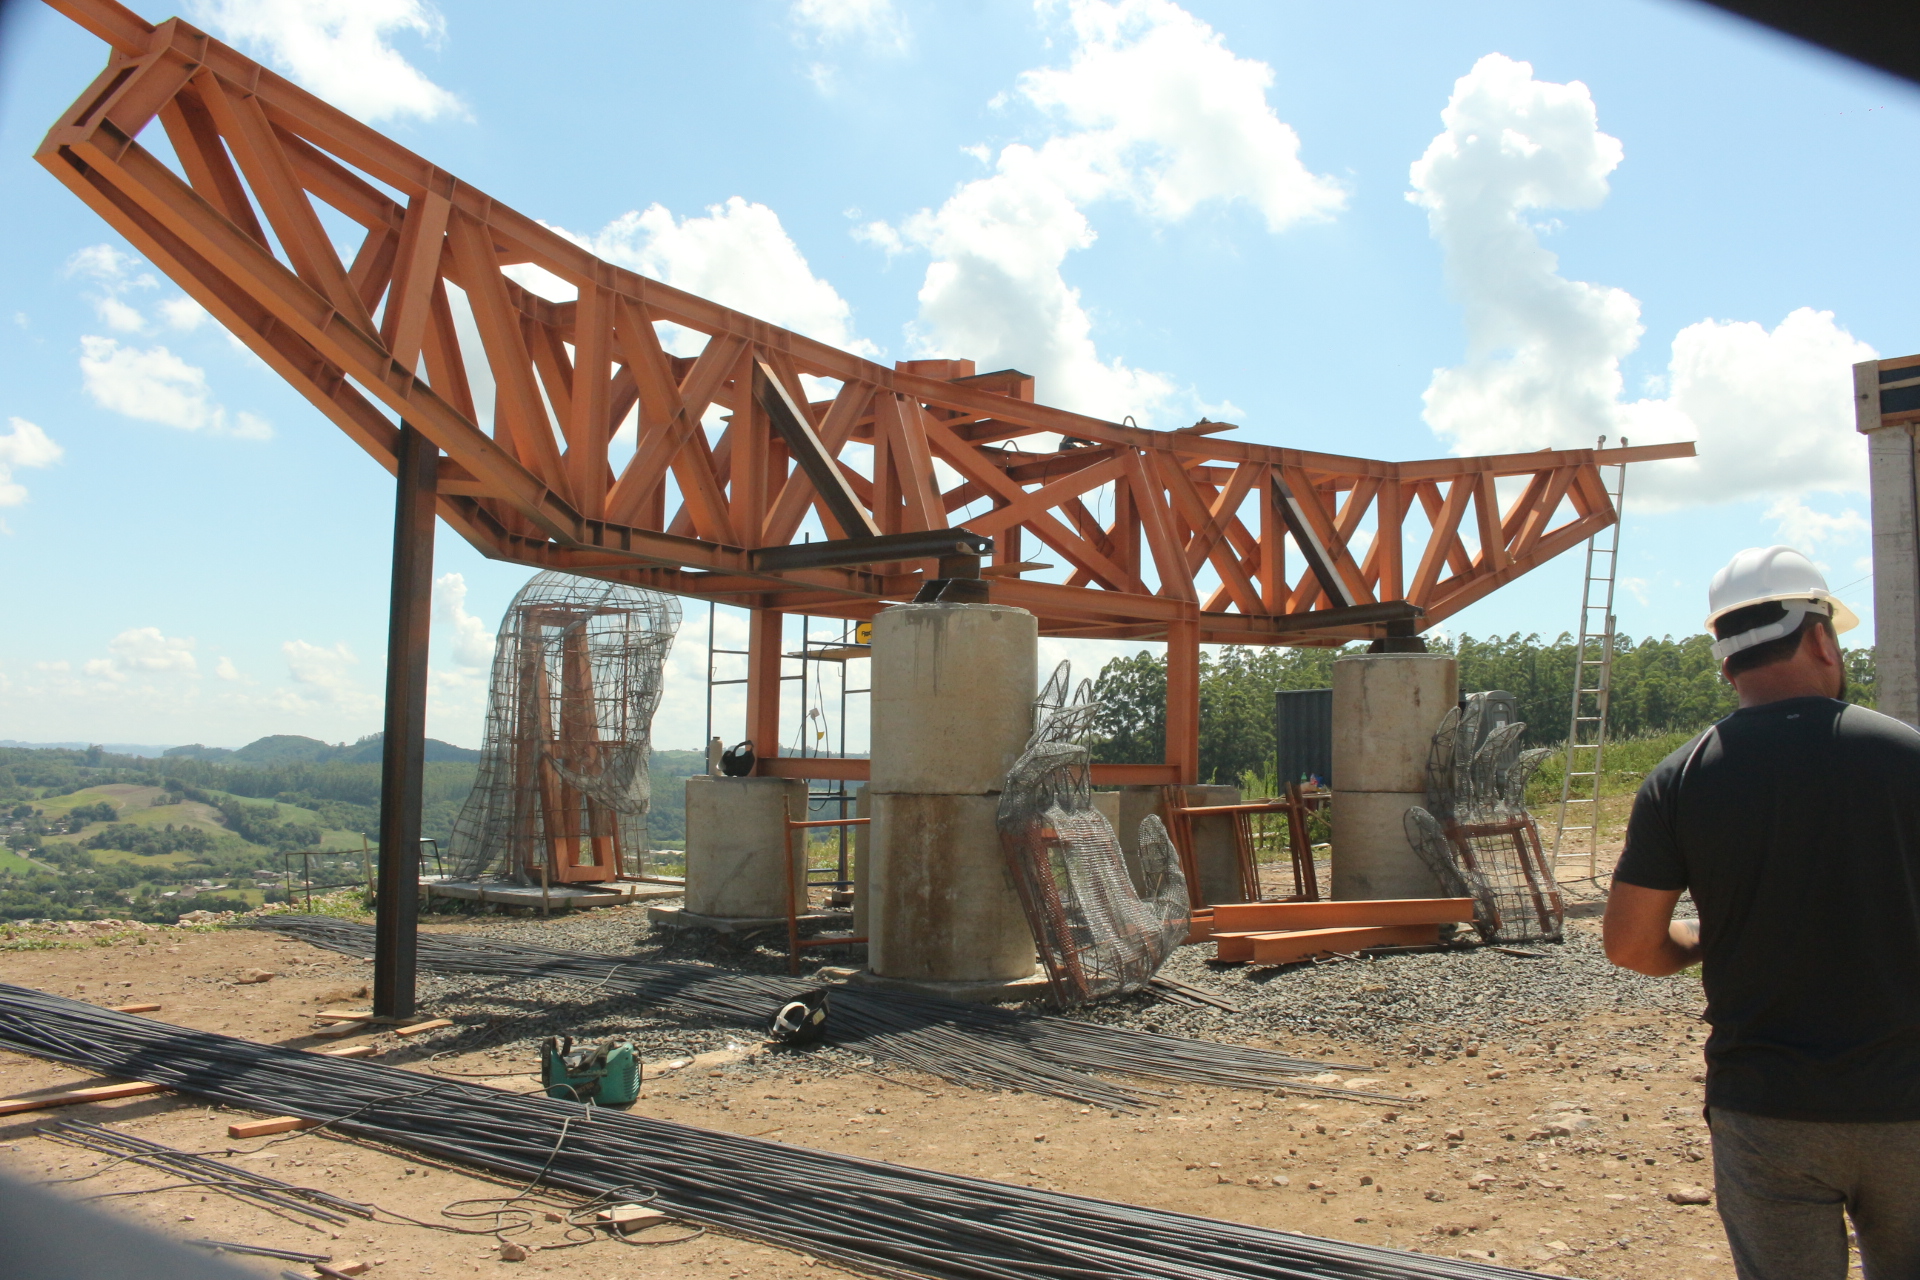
(1476, 834)
(563, 789)
(1098, 935)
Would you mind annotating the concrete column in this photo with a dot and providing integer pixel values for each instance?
(1386, 707)
(862, 863)
(953, 688)
(1215, 856)
(736, 831)
(1891, 473)
(1216, 853)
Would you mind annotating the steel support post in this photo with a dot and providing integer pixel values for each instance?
(403, 748)
(1183, 698)
(765, 635)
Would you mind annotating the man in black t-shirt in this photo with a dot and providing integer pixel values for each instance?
(1795, 825)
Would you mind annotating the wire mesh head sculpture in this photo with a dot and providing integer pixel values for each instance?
(1476, 835)
(562, 785)
(1098, 935)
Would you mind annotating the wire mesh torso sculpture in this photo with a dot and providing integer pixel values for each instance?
(563, 783)
(1476, 834)
(1097, 935)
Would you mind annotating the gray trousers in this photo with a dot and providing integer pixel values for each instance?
(1786, 1187)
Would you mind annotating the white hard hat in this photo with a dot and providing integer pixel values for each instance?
(1760, 575)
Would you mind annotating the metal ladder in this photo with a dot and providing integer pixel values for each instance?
(1592, 685)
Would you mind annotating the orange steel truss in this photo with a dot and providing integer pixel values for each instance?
(1204, 539)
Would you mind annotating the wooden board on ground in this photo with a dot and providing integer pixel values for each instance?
(73, 1097)
(1286, 948)
(1349, 913)
(261, 1128)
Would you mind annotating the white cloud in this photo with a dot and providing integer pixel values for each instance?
(226, 670)
(183, 313)
(341, 50)
(1151, 108)
(147, 649)
(115, 274)
(24, 445)
(738, 255)
(1803, 527)
(470, 639)
(1770, 409)
(143, 649)
(874, 23)
(155, 385)
(327, 670)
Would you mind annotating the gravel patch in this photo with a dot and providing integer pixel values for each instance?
(1422, 1004)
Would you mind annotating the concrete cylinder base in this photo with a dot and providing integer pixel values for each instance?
(1385, 709)
(735, 836)
(953, 688)
(1371, 856)
(942, 903)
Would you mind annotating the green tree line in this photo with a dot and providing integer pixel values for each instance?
(1659, 686)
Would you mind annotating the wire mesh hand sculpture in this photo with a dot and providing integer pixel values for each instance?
(1098, 935)
(563, 785)
(1476, 834)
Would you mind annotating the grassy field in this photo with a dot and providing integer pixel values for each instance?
(137, 808)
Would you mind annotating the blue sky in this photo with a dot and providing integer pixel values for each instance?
(1428, 230)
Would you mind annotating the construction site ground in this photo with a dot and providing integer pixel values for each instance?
(1553, 1102)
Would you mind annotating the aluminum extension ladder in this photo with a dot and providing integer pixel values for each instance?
(1592, 687)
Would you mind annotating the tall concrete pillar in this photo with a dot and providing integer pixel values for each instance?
(1894, 480)
(953, 688)
(1386, 707)
(736, 833)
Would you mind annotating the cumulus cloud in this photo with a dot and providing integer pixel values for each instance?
(115, 276)
(1152, 108)
(155, 385)
(1770, 409)
(144, 649)
(469, 639)
(740, 256)
(876, 24)
(341, 50)
(24, 445)
(1802, 526)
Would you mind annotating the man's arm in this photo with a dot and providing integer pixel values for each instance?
(1641, 933)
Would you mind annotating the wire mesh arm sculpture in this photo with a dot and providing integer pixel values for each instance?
(1098, 935)
(1476, 834)
(563, 785)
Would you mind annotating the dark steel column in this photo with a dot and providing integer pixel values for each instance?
(404, 744)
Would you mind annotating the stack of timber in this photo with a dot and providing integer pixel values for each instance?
(1284, 932)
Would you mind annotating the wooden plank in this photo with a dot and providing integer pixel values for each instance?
(74, 1097)
(415, 1028)
(1286, 948)
(277, 1124)
(349, 1051)
(1257, 917)
(136, 1008)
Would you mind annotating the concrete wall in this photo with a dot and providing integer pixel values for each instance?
(735, 835)
(953, 688)
(1385, 709)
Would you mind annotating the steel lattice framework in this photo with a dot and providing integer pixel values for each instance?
(1203, 539)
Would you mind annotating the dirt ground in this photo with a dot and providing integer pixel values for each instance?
(1535, 1154)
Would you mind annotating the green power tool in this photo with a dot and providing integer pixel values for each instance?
(606, 1074)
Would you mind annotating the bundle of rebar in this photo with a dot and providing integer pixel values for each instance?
(878, 1216)
(980, 1046)
(199, 1170)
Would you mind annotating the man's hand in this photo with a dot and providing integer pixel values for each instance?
(1641, 933)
